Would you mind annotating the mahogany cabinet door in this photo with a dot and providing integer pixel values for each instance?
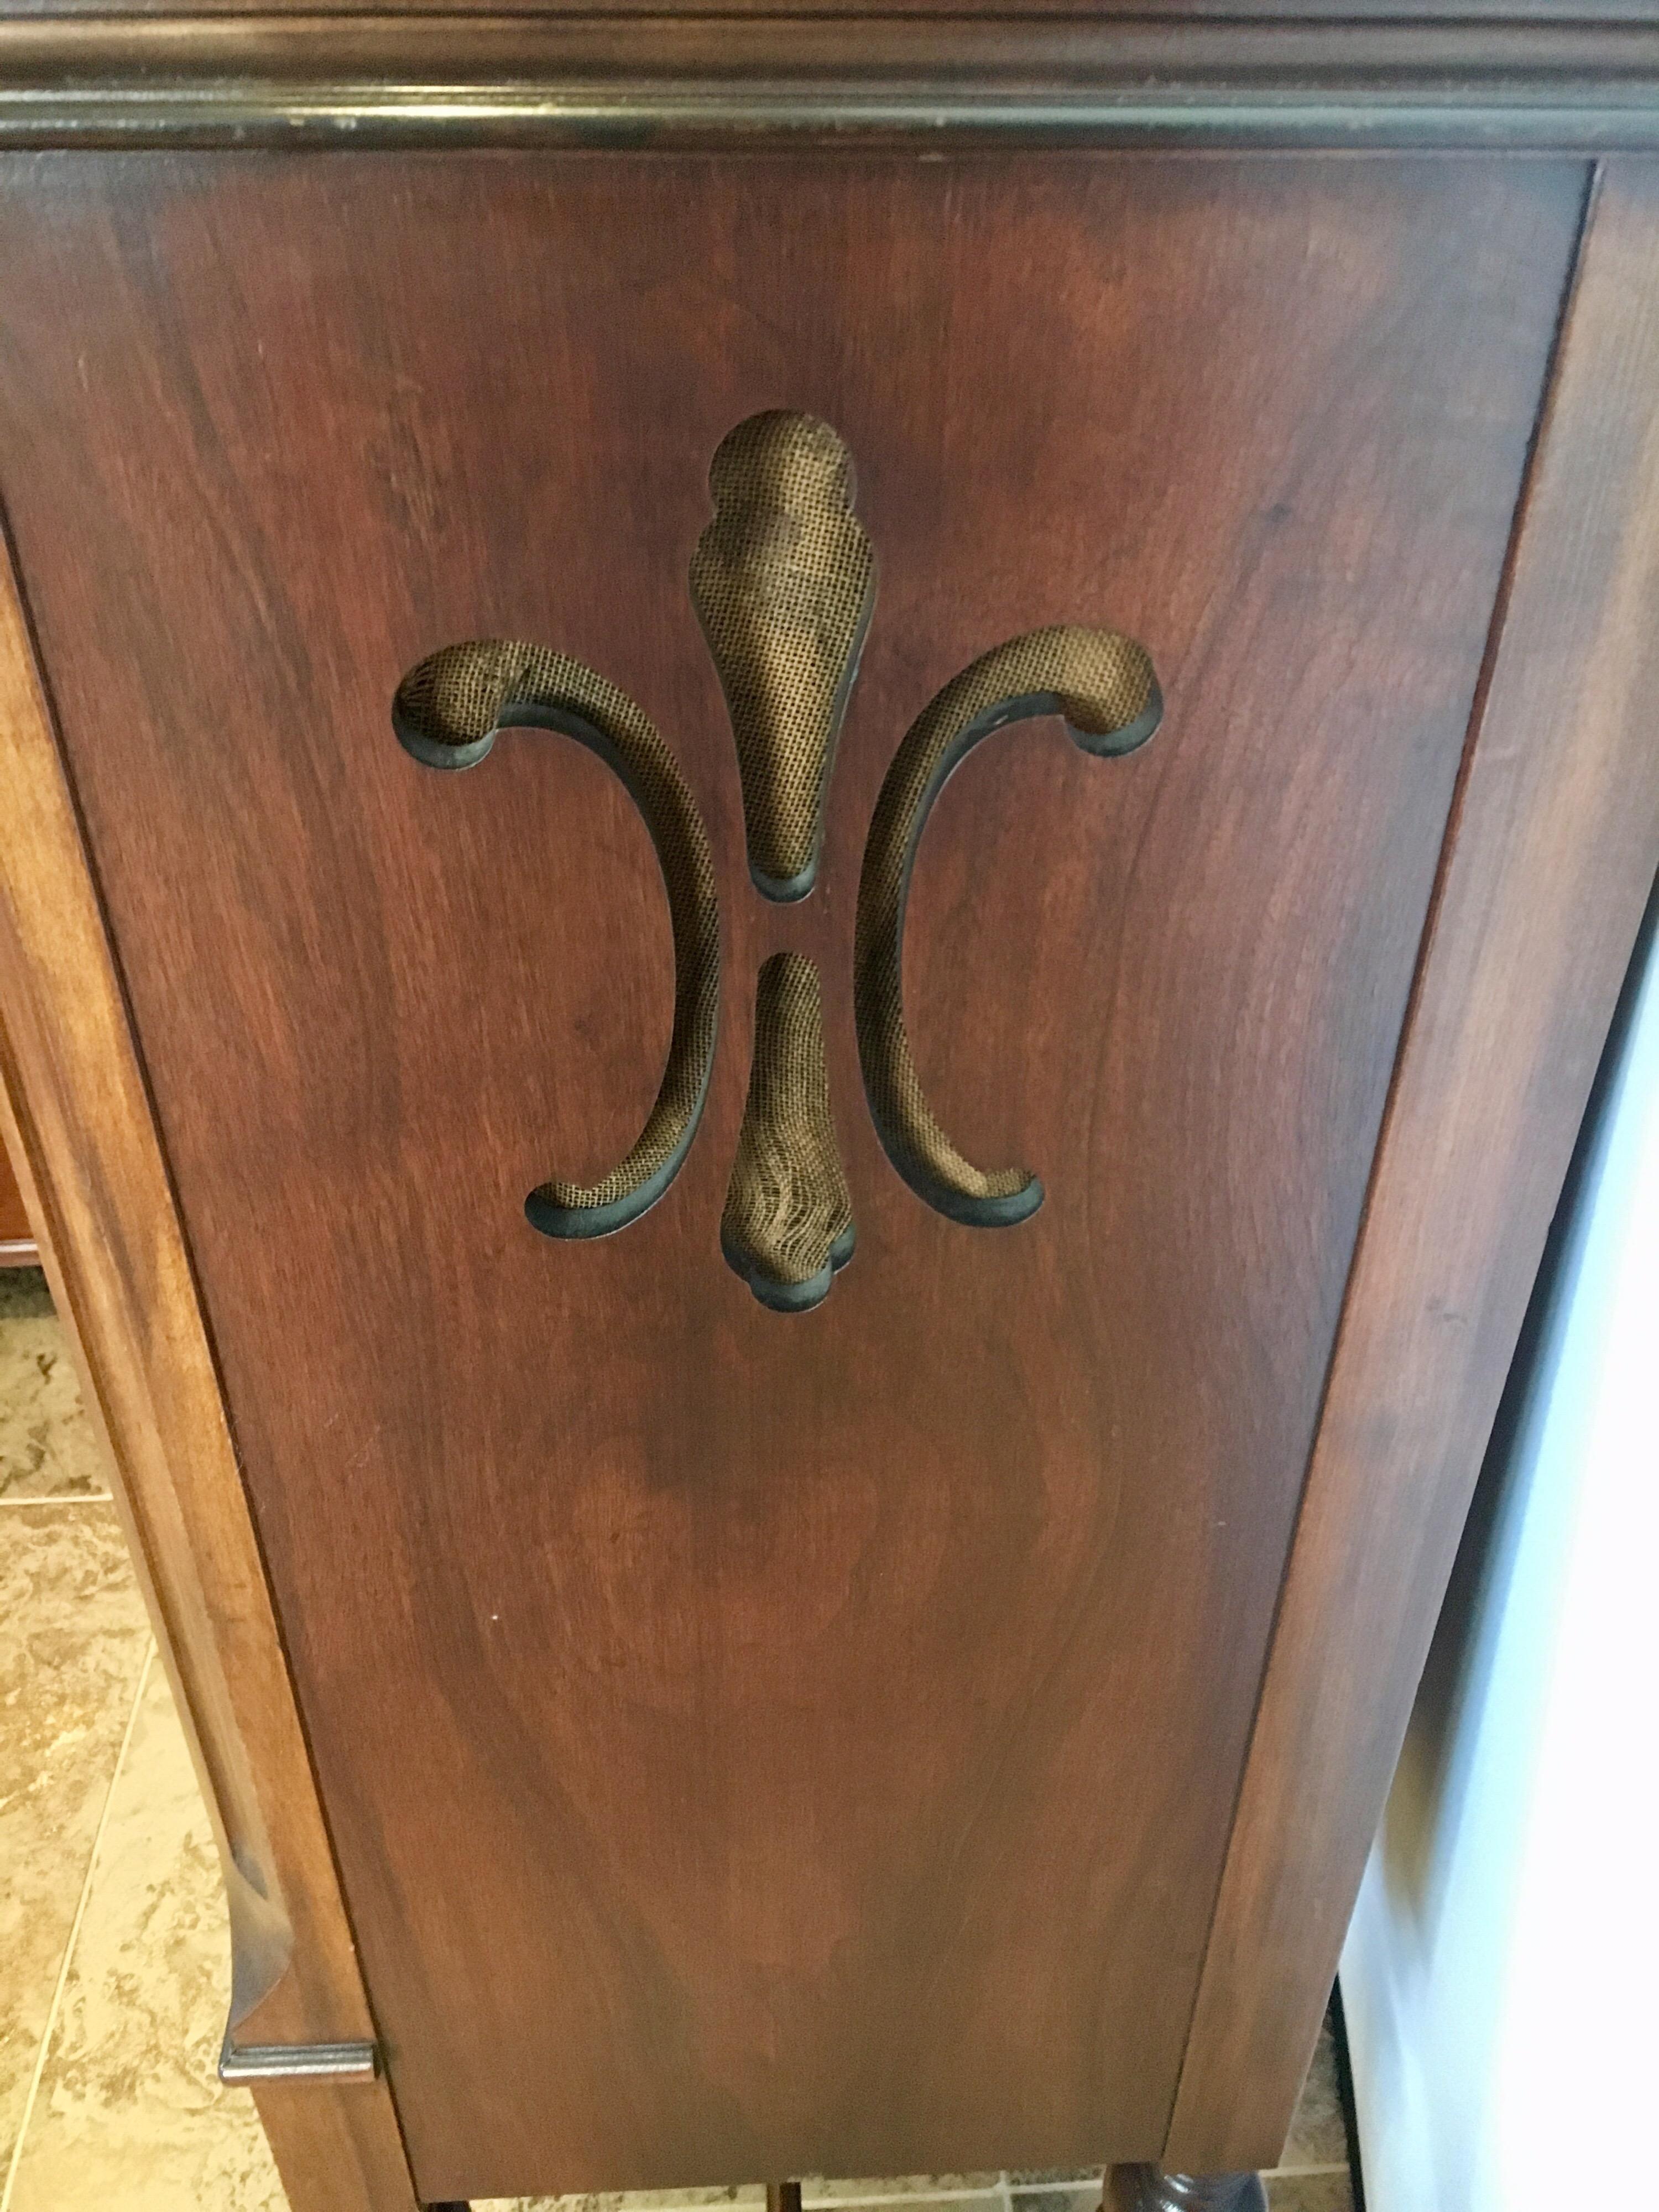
(755, 1742)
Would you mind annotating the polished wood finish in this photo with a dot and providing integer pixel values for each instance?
(758, 1744)
(17, 1246)
(75, 1118)
(1492, 15)
(849, 80)
(336, 2146)
(1545, 881)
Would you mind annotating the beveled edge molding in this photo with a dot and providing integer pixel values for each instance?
(1548, 864)
(77, 1119)
(759, 81)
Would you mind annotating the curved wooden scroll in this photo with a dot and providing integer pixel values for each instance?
(1102, 685)
(447, 712)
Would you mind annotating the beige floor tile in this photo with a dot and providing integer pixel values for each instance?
(47, 1448)
(1318, 2134)
(1330, 2191)
(128, 2116)
(915, 2197)
(73, 1637)
(634, 2200)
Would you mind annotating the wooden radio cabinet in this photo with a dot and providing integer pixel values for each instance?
(773, 1574)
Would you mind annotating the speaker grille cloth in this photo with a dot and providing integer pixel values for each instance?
(787, 1202)
(782, 579)
(1101, 683)
(456, 699)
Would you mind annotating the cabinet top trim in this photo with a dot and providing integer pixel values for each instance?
(759, 81)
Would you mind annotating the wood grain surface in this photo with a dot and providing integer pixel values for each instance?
(1547, 877)
(75, 1120)
(1174, 12)
(17, 1245)
(761, 1745)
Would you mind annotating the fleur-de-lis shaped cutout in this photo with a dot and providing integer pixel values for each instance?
(783, 581)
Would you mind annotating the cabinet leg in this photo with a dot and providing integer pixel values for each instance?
(337, 2145)
(1147, 2189)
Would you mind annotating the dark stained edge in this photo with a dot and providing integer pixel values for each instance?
(1551, 855)
(757, 81)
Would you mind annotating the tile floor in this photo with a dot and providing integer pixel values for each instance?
(114, 1959)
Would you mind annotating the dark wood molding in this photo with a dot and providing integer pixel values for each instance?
(1548, 866)
(757, 80)
(1482, 15)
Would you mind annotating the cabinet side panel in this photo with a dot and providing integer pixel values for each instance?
(761, 1745)
(1551, 858)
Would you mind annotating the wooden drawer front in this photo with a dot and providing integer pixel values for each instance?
(762, 1743)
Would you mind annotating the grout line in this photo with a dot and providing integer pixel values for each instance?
(889, 2202)
(69, 1498)
(50, 2029)
(874, 2196)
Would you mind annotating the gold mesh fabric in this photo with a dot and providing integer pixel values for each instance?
(1103, 684)
(783, 580)
(787, 1204)
(455, 700)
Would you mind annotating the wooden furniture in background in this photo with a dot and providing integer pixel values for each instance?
(659, 1739)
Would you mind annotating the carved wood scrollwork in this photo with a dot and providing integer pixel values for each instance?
(783, 581)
